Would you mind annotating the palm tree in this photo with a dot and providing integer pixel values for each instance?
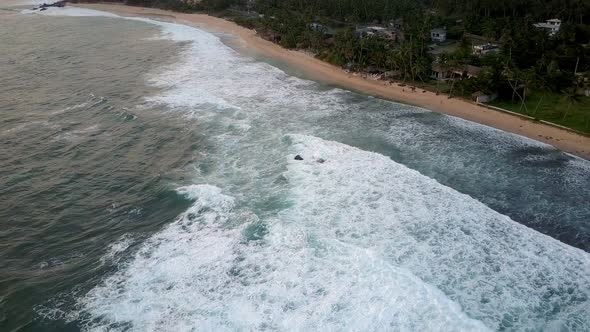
(571, 98)
(512, 77)
(543, 88)
(528, 78)
(453, 64)
(489, 30)
(508, 43)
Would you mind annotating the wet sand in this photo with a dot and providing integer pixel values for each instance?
(316, 69)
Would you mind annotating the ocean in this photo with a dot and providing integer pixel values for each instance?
(148, 182)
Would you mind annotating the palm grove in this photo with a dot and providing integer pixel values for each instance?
(533, 72)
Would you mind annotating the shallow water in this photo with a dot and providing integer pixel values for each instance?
(148, 183)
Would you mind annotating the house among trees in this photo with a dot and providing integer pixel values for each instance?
(485, 49)
(439, 72)
(397, 24)
(438, 35)
(471, 71)
(443, 73)
(326, 31)
(481, 45)
(552, 26)
(385, 33)
(436, 50)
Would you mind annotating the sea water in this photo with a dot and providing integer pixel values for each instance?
(148, 183)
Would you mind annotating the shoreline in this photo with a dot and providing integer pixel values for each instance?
(315, 69)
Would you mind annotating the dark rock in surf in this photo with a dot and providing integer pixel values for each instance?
(321, 160)
(44, 6)
(298, 157)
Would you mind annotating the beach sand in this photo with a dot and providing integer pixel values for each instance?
(318, 70)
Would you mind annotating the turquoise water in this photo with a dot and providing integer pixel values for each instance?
(148, 183)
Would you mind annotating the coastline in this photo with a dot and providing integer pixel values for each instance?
(562, 139)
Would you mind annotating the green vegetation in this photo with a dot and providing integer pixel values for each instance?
(563, 109)
(181, 6)
(532, 70)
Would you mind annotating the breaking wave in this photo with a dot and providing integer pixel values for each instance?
(205, 270)
(366, 244)
(346, 239)
(500, 272)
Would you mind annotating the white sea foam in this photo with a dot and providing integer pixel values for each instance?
(201, 272)
(486, 132)
(116, 249)
(449, 126)
(69, 11)
(501, 272)
(27, 125)
(209, 72)
(69, 108)
(78, 135)
(367, 244)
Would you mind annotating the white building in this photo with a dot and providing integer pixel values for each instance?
(438, 35)
(551, 26)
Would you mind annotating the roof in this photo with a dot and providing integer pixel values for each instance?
(438, 68)
(480, 40)
(543, 25)
(473, 70)
(439, 30)
(549, 24)
(469, 69)
(436, 49)
(486, 47)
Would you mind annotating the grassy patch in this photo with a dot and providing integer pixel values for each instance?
(553, 107)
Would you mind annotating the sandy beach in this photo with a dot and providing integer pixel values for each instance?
(313, 68)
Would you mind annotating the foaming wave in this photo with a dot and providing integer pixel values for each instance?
(211, 77)
(367, 244)
(69, 108)
(205, 272)
(68, 11)
(499, 271)
(115, 250)
(503, 139)
(450, 126)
